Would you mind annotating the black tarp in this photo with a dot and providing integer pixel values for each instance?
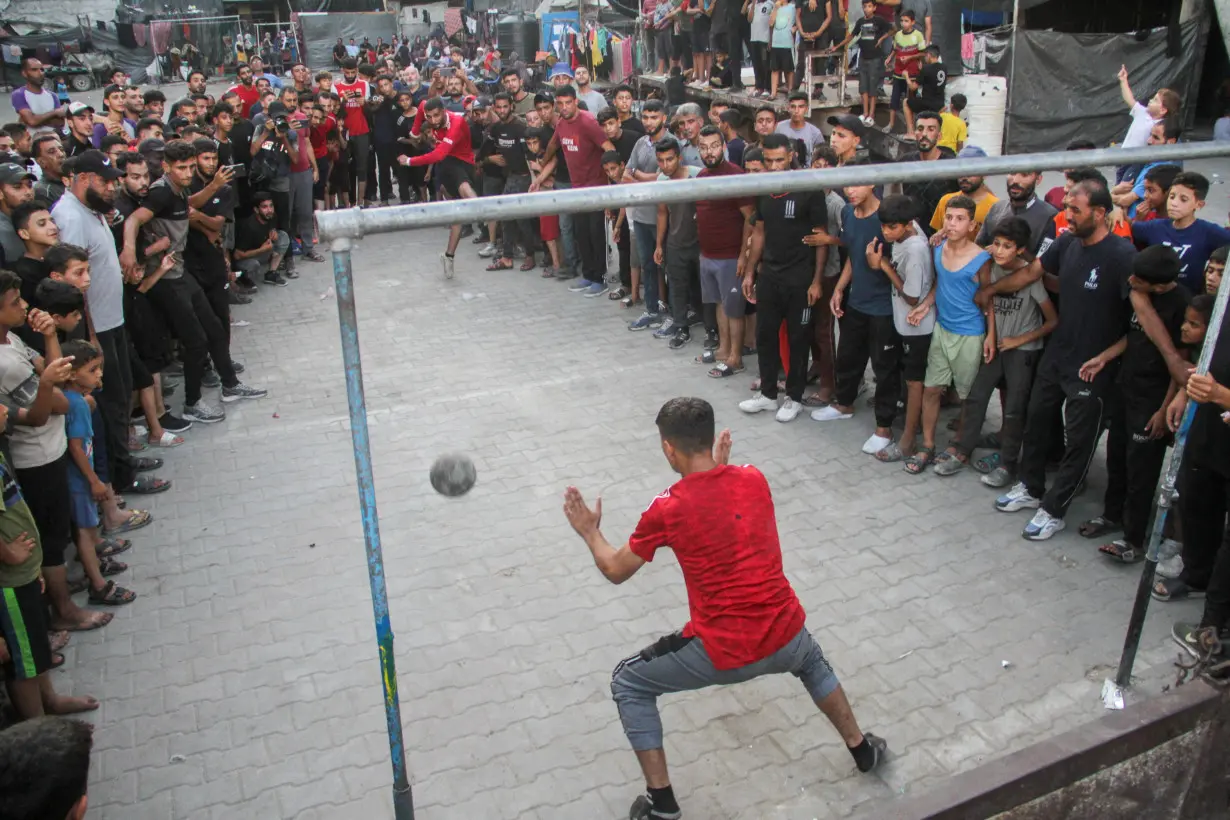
(1064, 87)
(320, 32)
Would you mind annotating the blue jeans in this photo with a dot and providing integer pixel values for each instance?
(646, 237)
(572, 262)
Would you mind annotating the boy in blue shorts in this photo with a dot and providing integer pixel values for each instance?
(86, 489)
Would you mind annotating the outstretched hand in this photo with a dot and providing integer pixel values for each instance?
(584, 520)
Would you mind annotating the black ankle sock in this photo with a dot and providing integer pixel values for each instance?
(449, 255)
(664, 799)
(864, 756)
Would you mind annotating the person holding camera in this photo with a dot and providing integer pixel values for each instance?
(275, 147)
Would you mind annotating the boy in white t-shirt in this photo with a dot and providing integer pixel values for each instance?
(1161, 105)
(912, 275)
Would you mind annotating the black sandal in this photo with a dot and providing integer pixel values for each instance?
(1174, 589)
(112, 595)
(1098, 526)
(110, 566)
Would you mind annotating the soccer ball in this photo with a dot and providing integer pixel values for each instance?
(453, 475)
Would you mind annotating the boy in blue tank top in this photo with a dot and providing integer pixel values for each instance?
(964, 335)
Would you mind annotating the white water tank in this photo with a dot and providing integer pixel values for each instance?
(987, 100)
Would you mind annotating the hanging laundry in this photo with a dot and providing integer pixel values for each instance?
(967, 47)
(160, 34)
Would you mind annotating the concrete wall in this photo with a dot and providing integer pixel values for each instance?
(57, 13)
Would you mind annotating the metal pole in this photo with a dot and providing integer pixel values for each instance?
(356, 223)
(1165, 497)
(403, 800)
(1016, 24)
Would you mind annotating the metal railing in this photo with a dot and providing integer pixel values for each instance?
(341, 228)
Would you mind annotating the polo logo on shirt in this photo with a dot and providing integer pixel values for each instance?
(1092, 282)
(789, 209)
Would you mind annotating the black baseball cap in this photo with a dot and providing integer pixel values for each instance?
(152, 145)
(849, 122)
(95, 162)
(11, 173)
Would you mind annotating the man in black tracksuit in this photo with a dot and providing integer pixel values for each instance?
(1088, 267)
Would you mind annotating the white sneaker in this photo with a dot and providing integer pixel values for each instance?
(487, 251)
(875, 444)
(1042, 526)
(789, 410)
(830, 413)
(757, 403)
(447, 262)
(1017, 498)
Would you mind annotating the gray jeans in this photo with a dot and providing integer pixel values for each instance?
(259, 264)
(572, 258)
(678, 664)
(1013, 372)
(301, 207)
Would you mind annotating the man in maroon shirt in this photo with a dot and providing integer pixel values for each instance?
(745, 618)
(583, 142)
(723, 226)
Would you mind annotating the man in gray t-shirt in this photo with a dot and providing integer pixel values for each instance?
(678, 247)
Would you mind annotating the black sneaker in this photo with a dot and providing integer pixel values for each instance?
(275, 278)
(682, 337)
(237, 366)
(711, 340)
(173, 423)
(211, 379)
(880, 747)
(642, 809)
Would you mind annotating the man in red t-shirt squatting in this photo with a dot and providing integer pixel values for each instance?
(745, 618)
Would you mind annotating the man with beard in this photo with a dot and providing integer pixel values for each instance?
(1088, 267)
(642, 166)
(504, 145)
(82, 217)
(453, 158)
(49, 154)
(246, 90)
(1024, 204)
(594, 101)
(38, 108)
(522, 100)
(723, 226)
(973, 187)
(179, 298)
(927, 195)
(691, 120)
(354, 93)
(196, 82)
(454, 94)
(582, 142)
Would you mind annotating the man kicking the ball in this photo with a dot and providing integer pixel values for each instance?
(745, 618)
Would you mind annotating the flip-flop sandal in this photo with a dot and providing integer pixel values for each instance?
(708, 357)
(145, 465)
(814, 400)
(947, 464)
(102, 620)
(109, 566)
(917, 463)
(1174, 589)
(721, 371)
(988, 463)
(138, 519)
(58, 640)
(1121, 551)
(500, 264)
(890, 454)
(112, 595)
(109, 547)
(148, 485)
(1098, 526)
(167, 440)
(617, 294)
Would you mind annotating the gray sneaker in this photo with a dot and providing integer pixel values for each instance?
(667, 331)
(210, 379)
(998, 478)
(203, 412)
(242, 391)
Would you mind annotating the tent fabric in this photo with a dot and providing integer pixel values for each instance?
(1064, 86)
(321, 30)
